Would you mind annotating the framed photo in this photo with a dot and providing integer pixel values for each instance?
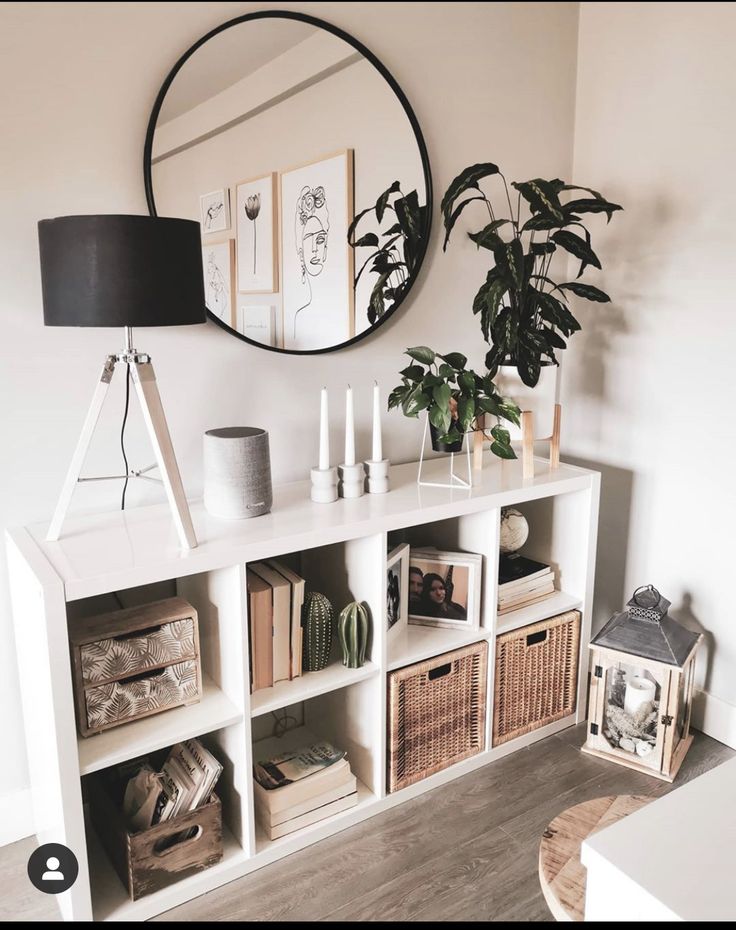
(444, 589)
(256, 227)
(397, 588)
(214, 211)
(218, 260)
(317, 280)
(257, 322)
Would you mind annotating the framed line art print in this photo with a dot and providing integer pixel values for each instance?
(218, 260)
(444, 589)
(256, 232)
(397, 588)
(214, 211)
(317, 277)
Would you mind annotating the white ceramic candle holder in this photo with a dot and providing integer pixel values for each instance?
(376, 476)
(351, 480)
(324, 485)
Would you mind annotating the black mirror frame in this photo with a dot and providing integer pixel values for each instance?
(381, 68)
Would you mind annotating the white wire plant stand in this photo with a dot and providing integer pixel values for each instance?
(454, 480)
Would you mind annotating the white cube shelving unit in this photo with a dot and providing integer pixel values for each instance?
(340, 549)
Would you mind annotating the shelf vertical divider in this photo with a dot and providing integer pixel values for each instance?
(42, 645)
(220, 598)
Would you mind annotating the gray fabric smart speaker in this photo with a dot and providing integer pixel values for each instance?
(237, 472)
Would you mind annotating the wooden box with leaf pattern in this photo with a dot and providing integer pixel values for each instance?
(135, 662)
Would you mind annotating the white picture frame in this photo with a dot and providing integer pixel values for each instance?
(397, 589)
(459, 611)
(218, 265)
(257, 322)
(256, 230)
(317, 262)
(214, 211)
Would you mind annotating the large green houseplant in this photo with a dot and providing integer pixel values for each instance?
(455, 398)
(524, 313)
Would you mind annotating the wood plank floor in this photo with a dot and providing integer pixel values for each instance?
(465, 851)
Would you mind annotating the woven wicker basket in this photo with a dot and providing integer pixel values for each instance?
(535, 680)
(437, 713)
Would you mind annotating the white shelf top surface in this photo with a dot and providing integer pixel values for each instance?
(116, 550)
(680, 848)
(414, 643)
(308, 685)
(558, 603)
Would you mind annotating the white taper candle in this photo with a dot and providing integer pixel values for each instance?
(377, 445)
(324, 432)
(349, 428)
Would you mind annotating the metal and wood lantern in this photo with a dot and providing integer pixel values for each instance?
(641, 686)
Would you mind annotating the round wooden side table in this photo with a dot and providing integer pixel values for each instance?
(561, 874)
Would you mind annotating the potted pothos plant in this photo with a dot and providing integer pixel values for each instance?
(396, 248)
(455, 399)
(524, 312)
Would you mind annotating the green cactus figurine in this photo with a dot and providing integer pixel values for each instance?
(352, 630)
(317, 620)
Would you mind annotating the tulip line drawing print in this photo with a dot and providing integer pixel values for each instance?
(252, 209)
(256, 235)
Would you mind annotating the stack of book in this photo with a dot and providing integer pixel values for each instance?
(275, 599)
(522, 581)
(295, 787)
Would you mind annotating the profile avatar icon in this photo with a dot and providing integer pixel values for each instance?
(52, 873)
(53, 868)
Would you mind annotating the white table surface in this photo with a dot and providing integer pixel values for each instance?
(673, 859)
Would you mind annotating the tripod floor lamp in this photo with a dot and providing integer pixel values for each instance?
(124, 271)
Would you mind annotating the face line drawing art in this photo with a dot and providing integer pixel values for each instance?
(216, 296)
(311, 232)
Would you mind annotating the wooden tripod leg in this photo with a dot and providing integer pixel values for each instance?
(527, 444)
(478, 443)
(144, 380)
(80, 453)
(554, 448)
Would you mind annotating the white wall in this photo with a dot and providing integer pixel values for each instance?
(487, 81)
(649, 394)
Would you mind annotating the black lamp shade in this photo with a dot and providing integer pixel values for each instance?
(115, 270)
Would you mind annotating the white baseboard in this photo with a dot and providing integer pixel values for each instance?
(714, 717)
(16, 817)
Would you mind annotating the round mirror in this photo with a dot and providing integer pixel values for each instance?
(303, 162)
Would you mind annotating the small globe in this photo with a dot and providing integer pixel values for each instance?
(514, 529)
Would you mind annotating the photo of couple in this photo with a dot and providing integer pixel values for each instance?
(438, 591)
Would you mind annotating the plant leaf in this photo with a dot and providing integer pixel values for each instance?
(487, 237)
(440, 418)
(510, 259)
(370, 239)
(541, 197)
(413, 373)
(510, 411)
(502, 435)
(466, 179)
(421, 354)
(466, 412)
(540, 222)
(441, 396)
(503, 452)
(456, 360)
(415, 402)
(591, 206)
(542, 248)
(396, 397)
(586, 291)
(466, 382)
(382, 201)
(452, 218)
(577, 247)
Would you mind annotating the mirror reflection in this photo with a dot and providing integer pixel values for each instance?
(301, 164)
